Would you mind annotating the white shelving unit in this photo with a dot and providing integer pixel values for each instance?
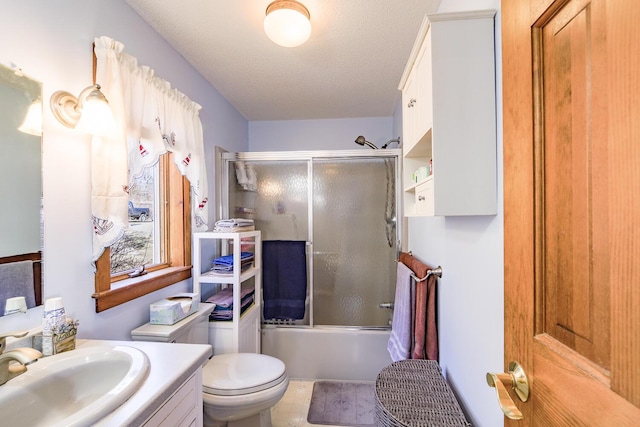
(449, 116)
(242, 334)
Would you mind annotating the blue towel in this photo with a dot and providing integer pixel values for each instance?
(224, 264)
(228, 259)
(284, 279)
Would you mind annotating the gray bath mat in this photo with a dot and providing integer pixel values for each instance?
(342, 403)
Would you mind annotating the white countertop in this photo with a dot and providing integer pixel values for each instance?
(170, 365)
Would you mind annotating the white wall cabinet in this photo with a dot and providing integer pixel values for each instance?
(449, 117)
(416, 94)
(242, 334)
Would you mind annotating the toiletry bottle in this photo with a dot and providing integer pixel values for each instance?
(54, 316)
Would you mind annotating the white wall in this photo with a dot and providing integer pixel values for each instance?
(469, 249)
(52, 42)
(327, 134)
(470, 293)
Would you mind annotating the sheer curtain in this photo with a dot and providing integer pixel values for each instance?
(151, 118)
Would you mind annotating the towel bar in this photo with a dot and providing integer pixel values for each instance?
(436, 272)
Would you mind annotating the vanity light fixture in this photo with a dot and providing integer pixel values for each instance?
(287, 23)
(32, 123)
(89, 112)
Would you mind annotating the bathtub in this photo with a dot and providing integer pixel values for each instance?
(328, 353)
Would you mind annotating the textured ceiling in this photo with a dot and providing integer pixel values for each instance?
(350, 67)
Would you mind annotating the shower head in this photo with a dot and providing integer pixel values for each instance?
(390, 141)
(361, 141)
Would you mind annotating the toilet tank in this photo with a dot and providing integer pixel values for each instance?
(193, 329)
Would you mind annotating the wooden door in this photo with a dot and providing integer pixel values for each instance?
(571, 91)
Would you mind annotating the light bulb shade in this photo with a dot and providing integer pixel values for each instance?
(89, 112)
(97, 118)
(287, 23)
(32, 123)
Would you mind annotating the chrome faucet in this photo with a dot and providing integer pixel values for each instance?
(14, 362)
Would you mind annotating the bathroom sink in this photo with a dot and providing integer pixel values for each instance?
(75, 388)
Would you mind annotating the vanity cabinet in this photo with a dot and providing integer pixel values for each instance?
(183, 408)
(449, 117)
(242, 334)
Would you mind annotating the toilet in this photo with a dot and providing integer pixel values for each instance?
(239, 389)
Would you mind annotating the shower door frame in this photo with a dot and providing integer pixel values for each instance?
(222, 176)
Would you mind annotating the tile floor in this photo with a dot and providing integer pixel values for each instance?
(292, 409)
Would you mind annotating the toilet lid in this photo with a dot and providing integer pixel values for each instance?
(241, 373)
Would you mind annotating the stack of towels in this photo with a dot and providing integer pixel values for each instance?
(224, 302)
(224, 264)
(234, 225)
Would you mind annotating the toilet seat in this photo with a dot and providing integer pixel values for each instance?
(241, 373)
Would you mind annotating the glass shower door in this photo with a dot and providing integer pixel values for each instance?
(275, 194)
(354, 240)
(345, 208)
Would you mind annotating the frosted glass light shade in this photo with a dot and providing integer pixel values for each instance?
(32, 123)
(287, 23)
(89, 112)
(97, 118)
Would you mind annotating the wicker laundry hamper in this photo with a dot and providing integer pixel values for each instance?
(414, 393)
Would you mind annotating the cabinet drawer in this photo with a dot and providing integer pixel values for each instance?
(424, 198)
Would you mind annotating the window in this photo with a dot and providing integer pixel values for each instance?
(143, 244)
(167, 234)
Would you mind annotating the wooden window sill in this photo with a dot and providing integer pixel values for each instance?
(128, 289)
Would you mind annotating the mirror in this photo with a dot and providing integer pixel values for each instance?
(20, 191)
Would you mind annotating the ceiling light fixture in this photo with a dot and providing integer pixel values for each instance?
(287, 23)
(89, 112)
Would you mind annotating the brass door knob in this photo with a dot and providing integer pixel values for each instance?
(517, 380)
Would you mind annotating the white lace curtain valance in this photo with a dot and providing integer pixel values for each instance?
(151, 119)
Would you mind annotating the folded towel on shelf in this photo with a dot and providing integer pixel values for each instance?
(284, 279)
(224, 264)
(224, 302)
(425, 344)
(228, 269)
(227, 313)
(217, 229)
(233, 225)
(234, 222)
(401, 338)
(228, 259)
(224, 298)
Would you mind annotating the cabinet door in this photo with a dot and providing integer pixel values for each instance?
(408, 110)
(423, 114)
(183, 408)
